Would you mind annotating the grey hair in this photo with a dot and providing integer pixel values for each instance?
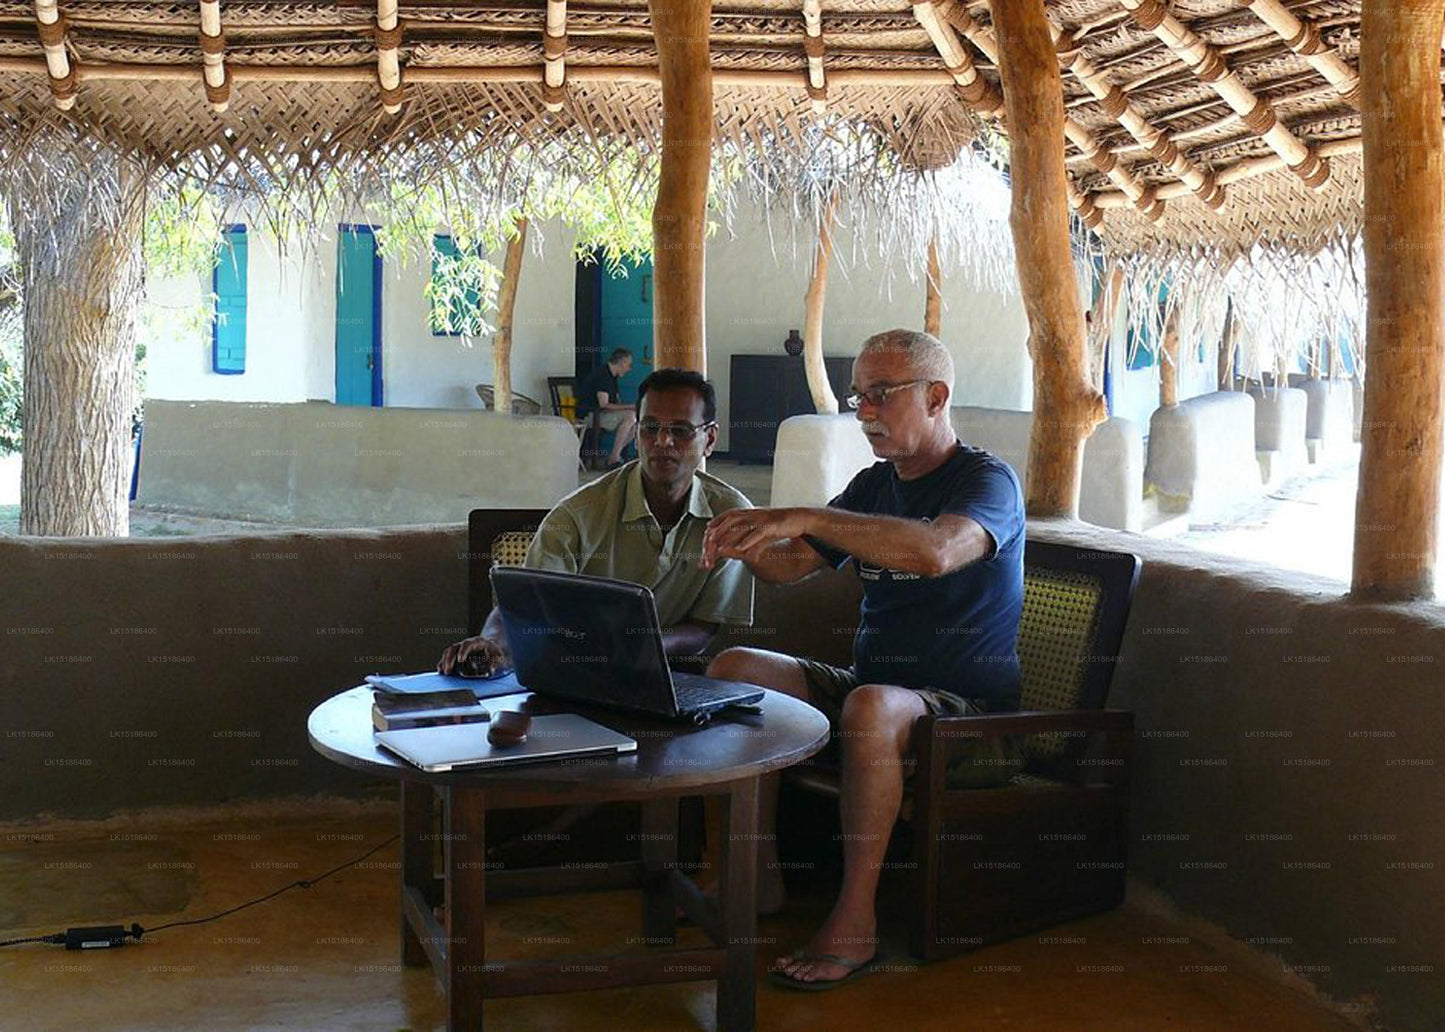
(927, 356)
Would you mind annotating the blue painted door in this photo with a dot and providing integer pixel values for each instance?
(358, 317)
(228, 280)
(627, 322)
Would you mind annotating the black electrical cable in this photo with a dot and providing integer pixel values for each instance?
(304, 883)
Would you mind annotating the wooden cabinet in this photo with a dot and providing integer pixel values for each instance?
(767, 389)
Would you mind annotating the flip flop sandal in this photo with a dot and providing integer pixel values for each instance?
(855, 969)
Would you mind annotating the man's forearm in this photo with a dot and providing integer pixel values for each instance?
(894, 543)
(784, 562)
(494, 628)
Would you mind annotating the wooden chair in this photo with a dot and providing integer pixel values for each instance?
(1050, 844)
(521, 404)
(563, 390)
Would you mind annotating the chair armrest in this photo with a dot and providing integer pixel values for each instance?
(1028, 722)
(935, 736)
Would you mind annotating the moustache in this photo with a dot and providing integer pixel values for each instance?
(872, 426)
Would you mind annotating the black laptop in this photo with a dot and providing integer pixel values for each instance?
(598, 641)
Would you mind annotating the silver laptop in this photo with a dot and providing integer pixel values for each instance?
(437, 749)
(598, 641)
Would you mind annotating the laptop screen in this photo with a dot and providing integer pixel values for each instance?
(584, 638)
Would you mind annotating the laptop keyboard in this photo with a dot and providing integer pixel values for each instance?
(695, 692)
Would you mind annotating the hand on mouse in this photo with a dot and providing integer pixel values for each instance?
(474, 657)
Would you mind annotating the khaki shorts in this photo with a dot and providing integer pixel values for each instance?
(983, 763)
(611, 419)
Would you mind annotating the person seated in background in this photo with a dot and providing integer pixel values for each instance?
(644, 523)
(598, 393)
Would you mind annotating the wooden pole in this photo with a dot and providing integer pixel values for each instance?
(1169, 358)
(1066, 407)
(506, 305)
(679, 219)
(1101, 325)
(933, 298)
(813, 364)
(1398, 497)
(1228, 342)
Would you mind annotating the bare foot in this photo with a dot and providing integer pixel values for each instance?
(856, 941)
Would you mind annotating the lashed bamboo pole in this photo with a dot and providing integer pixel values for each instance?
(1118, 107)
(554, 51)
(1401, 451)
(388, 54)
(976, 91)
(506, 307)
(1303, 37)
(679, 218)
(1211, 69)
(933, 295)
(1066, 407)
(814, 47)
(954, 16)
(1249, 168)
(813, 364)
(903, 78)
(213, 57)
(51, 25)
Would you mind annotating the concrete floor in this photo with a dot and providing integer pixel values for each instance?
(326, 958)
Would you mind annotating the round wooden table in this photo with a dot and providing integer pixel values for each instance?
(725, 757)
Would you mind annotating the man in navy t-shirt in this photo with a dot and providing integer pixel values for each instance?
(936, 533)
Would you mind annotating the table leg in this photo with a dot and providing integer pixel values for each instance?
(417, 830)
(466, 853)
(737, 898)
(659, 856)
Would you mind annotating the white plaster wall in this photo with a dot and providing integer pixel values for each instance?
(278, 347)
(755, 297)
(429, 371)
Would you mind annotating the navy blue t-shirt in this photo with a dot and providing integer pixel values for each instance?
(958, 632)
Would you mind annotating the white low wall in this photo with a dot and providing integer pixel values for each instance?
(817, 455)
(1330, 424)
(320, 465)
(815, 458)
(1279, 432)
(1201, 454)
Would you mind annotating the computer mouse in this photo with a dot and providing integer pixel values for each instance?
(508, 728)
(478, 664)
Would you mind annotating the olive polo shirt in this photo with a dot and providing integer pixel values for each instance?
(605, 529)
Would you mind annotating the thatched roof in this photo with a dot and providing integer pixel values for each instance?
(304, 84)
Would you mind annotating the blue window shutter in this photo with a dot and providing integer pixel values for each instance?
(228, 280)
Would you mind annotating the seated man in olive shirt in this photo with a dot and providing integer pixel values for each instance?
(645, 523)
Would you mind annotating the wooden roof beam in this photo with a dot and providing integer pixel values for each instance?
(1256, 112)
(389, 30)
(213, 57)
(951, 16)
(1303, 37)
(554, 54)
(813, 44)
(1117, 106)
(51, 24)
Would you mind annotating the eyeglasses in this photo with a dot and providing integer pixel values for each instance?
(878, 396)
(682, 433)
